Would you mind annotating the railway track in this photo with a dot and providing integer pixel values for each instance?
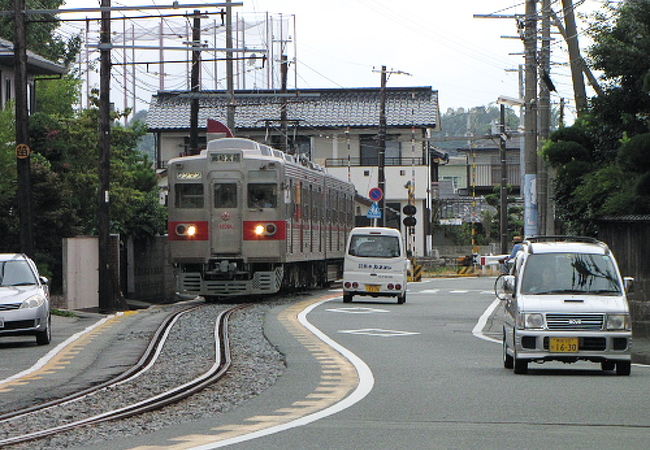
(215, 372)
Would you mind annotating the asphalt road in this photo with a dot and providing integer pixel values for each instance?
(436, 385)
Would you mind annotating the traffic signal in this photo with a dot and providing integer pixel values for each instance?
(409, 211)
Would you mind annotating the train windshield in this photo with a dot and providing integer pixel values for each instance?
(225, 195)
(262, 195)
(189, 195)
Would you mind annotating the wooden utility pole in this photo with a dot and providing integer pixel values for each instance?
(530, 120)
(195, 83)
(503, 191)
(283, 107)
(230, 113)
(382, 145)
(543, 197)
(22, 138)
(574, 57)
(106, 263)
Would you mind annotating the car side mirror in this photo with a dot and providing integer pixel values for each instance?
(504, 287)
(44, 280)
(628, 283)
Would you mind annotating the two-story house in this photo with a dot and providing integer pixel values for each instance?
(37, 66)
(336, 128)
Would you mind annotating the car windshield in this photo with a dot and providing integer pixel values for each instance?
(570, 273)
(16, 273)
(374, 246)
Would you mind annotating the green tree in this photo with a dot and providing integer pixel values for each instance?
(41, 32)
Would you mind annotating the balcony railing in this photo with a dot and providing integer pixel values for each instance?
(374, 162)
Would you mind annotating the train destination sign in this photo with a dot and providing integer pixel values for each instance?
(188, 175)
(225, 157)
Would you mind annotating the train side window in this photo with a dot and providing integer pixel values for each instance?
(225, 195)
(262, 195)
(189, 195)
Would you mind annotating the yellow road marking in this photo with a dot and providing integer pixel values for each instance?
(62, 359)
(338, 378)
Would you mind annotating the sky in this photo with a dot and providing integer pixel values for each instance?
(343, 43)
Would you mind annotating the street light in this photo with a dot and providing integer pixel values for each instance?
(503, 195)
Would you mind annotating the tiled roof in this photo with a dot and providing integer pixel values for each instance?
(317, 108)
(36, 64)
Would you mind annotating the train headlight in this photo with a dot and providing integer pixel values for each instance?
(186, 230)
(259, 230)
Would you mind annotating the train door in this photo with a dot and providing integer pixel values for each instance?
(226, 216)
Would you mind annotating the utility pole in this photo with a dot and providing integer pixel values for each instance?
(503, 191)
(574, 57)
(230, 113)
(106, 266)
(161, 57)
(530, 120)
(546, 220)
(283, 108)
(196, 66)
(382, 145)
(23, 151)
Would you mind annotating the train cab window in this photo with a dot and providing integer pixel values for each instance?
(189, 195)
(262, 195)
(225, 195)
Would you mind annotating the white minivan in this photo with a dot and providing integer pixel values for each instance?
(375, 264)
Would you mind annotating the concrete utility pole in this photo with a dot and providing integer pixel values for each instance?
(22, 137)
(546, 219)
(106, 266)
(574, 57)
(382, 145)
(530, 121)
(195, 84)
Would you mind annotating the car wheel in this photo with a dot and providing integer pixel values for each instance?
(401, 299)
(45, 337)
(607, 365)
(508, 362)
(623, 367)
(347, 298)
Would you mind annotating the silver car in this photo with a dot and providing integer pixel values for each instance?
(24, 299)
(565, 301)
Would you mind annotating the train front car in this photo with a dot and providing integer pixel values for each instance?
(237, 220)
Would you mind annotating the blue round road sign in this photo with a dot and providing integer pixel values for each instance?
(376, 194)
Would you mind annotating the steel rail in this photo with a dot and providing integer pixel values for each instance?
(146, 360)
(218, 369)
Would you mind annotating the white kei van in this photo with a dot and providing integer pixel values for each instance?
(375, 264)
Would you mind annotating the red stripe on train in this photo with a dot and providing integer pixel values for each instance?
(181, 231)
(270, 230)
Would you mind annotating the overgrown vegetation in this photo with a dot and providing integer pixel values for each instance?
(603, 160)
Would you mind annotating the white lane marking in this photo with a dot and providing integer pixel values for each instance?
(358, 310)
(366, 383)
(428, 291)
(52, 353)
(478, 328)
(487, 292)
(459, 292)
(379, 332)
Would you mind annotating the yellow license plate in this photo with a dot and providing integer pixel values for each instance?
(372, 288)
(563, 345)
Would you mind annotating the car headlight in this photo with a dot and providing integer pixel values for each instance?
(530, 321)
(618, 321)
(33, 302)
